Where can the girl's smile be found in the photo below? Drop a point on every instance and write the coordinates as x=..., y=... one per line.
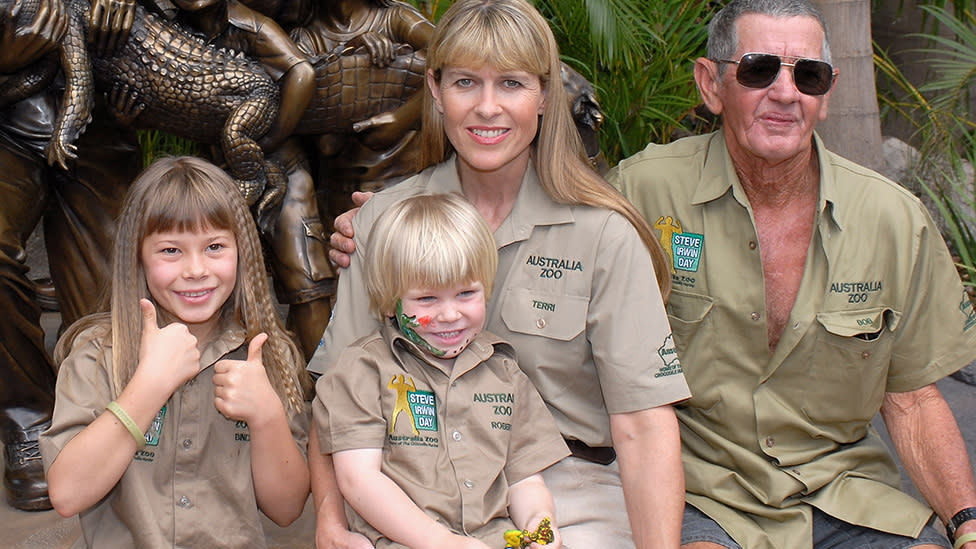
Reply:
x=191, y=274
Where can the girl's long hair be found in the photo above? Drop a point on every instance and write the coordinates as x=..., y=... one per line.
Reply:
x=190, y=194
x=510, y=35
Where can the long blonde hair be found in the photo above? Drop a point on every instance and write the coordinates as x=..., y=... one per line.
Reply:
x=187, y=194
x=511, y=35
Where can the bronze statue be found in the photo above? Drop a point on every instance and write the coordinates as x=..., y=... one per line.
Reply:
x=78, y=206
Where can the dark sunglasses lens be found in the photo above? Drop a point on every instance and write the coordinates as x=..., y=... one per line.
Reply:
x=813, y=77
x=757, y=70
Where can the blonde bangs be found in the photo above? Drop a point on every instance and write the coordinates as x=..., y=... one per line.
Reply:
x=501, y=37
x=188, y=201
x=435, y=241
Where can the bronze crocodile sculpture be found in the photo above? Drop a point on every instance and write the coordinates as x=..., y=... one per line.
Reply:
x=172, y=80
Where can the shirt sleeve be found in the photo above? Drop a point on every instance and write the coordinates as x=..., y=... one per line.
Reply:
x=628, y=327
x=82, y=392
x=935, y=335
x=351, y=318
x=536, y=442
x=347, y=409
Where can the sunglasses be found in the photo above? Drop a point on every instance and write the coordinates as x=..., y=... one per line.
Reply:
x=759, y=70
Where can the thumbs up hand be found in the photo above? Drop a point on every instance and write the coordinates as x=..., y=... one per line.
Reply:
x=167, y=356
x=242, y=390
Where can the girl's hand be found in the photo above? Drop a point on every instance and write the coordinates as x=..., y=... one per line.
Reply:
x=241, y=387
x=167, y=356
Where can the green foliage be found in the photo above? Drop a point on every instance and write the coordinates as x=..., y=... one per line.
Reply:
x=940, y=115
x=154, y=143
x=638, y=54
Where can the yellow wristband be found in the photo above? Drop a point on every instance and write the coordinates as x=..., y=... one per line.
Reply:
x=134, y=429
x=964, y=539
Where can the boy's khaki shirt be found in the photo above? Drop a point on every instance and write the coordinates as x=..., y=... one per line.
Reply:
x=453, y=439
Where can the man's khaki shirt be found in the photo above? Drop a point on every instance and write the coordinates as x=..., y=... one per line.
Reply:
x=575, y=294
x=191, y=485
x=880, y=308
x=453, y=438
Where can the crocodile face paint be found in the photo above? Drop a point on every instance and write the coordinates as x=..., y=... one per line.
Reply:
x=407, y=325
x=442, y=321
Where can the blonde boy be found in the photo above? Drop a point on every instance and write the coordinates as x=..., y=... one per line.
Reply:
x=437, y=437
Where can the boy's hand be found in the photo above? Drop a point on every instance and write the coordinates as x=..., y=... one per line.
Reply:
x=241, y=387
x=167, y=356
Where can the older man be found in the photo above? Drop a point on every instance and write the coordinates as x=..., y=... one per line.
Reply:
x=810, y=294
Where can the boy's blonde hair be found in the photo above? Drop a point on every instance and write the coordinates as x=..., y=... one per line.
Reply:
x=427, y=241
x=190, y=194
x=511, y=35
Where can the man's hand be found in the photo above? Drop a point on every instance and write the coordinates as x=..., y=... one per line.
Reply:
x=341, y=244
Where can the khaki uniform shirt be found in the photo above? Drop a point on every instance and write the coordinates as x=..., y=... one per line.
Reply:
x=454, y=439
x=191, y=485
x=880, y=309
x=575, y=293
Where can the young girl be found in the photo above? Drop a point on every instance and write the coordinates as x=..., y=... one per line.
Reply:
x=438, y=437
x=179, y=410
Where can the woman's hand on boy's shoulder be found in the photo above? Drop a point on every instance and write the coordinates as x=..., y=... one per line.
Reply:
x=168, y=356
x=242, y=390
x=341, y=244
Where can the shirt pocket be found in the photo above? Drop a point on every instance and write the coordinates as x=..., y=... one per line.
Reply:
x=553, y=316
x=850, y=366
x=686, y=313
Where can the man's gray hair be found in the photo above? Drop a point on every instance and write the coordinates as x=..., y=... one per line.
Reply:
x=722, y=38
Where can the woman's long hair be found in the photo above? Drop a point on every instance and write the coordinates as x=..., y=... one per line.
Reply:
x=511, y=35
x=189, y=194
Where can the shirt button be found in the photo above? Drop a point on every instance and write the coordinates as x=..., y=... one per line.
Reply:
x=755, y=316
x=185, y=502
x=752, y=245
x=770, y=442
x=866, y=354
x=456, y=435
x=187, y=444
x=540, y=323
x=468, y=484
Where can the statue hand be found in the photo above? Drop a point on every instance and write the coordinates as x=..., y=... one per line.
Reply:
x=380, y=47
x=24, y=40
x=110, y=23
x=124, y=104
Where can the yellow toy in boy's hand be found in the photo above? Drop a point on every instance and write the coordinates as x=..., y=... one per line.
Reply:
x=520, y=539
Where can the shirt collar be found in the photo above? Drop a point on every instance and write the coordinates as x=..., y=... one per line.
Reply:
x=533, y=206
x=718, y=176
x=478, y=351
x=229, y=342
